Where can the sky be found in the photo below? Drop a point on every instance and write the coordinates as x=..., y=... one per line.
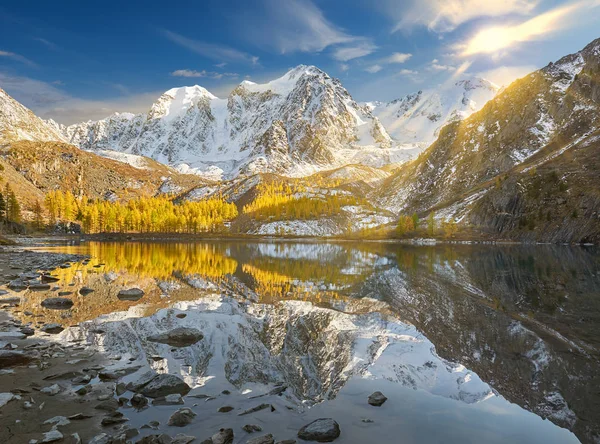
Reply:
x=74, y=61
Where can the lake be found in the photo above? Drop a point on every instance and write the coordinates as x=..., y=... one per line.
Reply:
x=470, y=343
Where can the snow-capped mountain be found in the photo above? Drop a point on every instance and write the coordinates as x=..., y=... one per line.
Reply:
x=19, y=123
x=417, y=118
x=301, y=122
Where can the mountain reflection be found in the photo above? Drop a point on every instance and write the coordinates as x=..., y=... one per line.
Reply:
x=525, y=319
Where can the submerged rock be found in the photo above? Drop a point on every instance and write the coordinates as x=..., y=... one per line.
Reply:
x=173, y=399
x=320, y=430
x=139, y=401
x=178, y=337
x=251, y=428
x=265, y=439
x=180, y=438
x=57, y=303
x=377, y=399
x=181, y=417
x=156, y=439
x=163, y=385
x=225, y=409
x=132, y=294
x=85, y=291
x=224, y=436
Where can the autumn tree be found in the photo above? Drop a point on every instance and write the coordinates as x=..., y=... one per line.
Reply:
x=450, y=227
x=38, y=215
x=431, y=225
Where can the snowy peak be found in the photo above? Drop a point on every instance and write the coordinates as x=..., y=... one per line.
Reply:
x=19, y=123
x=417, y=118
x=299, y=123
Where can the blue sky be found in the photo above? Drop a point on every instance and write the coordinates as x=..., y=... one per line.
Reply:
x=74, y=60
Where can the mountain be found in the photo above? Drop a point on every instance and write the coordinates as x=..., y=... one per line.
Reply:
x=417, y=118
x=19, y=123
x=297, y=124
x=525, y=166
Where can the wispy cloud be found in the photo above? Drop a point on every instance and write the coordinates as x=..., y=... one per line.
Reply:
x=447, y=15
x=47, y=43
x=343, y=54
x=300, y=26
x=407, y=72
x=495, y=39
x=203, y=73
x=397, y=57
x=344, y=67
x=49, y=101
x=210, y=50
x=374, y=69
x=18, y=58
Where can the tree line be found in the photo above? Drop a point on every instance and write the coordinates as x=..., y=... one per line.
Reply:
x=10, y=208
x=411, y=224
x=141, y=215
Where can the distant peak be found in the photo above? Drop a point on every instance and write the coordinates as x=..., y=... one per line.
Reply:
x=190, y=92
x=304, y=69
x=476, y=82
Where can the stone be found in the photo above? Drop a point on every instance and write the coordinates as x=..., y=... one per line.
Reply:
x=51, y=390
x=173, y=399
x=224, y=436
x=180, y=438
x=265, y=439
x=57, y=303
x=120, y=389
x=225, y=409
x=64, y=293
x=139, y=401
x=110, y=405
x=79, y=417
x=181, y=417
x=83, y=291
x=58, y=421
x=12, y=300
x=163, y=385
x=39, y=286
x=102, y=438
x=5, y=398
x=27, y=331
x=180, y=315
x=178, y=337
x=11, y=335
x=52, y=436
x=49, y=278
x=377, y=399
x=12, y=358
x=156, y=439
x=320, y=430
x=84, y=390
x=287, y=441
x=251, y=428
x=112, y=420
x=131, y=294
x=52, y=328
x=255, y=409
x=83, y=379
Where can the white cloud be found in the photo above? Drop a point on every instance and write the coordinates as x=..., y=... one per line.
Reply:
x=17, y=57
x=407, y=72
x=221, y=65
x=435, y=65
x=210, y=50
x=397, y=57
x=203, y=73
x=497, y=38
x=344, y=67
x=343, y=54
x=505, y=75
x=447, y=15
x=373, y=69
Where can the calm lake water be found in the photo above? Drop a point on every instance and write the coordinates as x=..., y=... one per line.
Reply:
x=469, y=343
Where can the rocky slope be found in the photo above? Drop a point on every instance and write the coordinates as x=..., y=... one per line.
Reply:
x=545, y=123
x=19, y=123
x=300, y=122
x=34, y=168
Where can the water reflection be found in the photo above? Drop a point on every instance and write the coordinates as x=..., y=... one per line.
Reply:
x=525, y=319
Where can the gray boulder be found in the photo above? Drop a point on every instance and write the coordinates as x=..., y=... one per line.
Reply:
x=163, y=385
x=265, y=439
x=377, y=399
x=181, y=417
x=320, y=430
x=132, y=294
x=57, y=303
x=224, y=436
x=178, y=337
